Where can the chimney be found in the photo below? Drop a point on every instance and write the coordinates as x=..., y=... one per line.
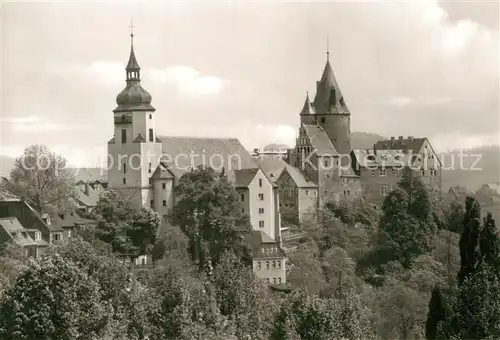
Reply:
x=375, y=149
x=256, y=151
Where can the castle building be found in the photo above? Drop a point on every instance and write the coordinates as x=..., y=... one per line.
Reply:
x=322, y=168
x=146, y=166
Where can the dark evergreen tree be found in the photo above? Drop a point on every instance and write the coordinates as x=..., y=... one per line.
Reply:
x=469, y=241
x=437, y=314
x=489, y=243
x=418, y=198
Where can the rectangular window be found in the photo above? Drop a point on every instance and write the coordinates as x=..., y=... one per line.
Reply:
x=260, y=182
x=267, y=264
x=279, y=280
x=279, y=264
x=326, y=162
x=261, y=210
x=259, y=265
x=70, y=233
x=124, y=180
x=261, y=224
x=124, y=168
x=243, y=197
x=150, y=181
x=124, y=136
x=38, y=236
x=152, y=203
x=149, y=170
x=422, y=171
x=383, y=172
x=164, y=186
x=56, y=237
x=373, y=172
x=164, y=203
x=151, y=135
x=150, y=116
x=383, y=190
x=307, y=192
x=274, y=264
x=261, y=196
x=274, y=280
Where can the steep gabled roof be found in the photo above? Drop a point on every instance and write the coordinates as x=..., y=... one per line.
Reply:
x=320, y=140
x=328, y=97
x=271, y=165
x=244, y=177
x=89, y=199
x=298, y=177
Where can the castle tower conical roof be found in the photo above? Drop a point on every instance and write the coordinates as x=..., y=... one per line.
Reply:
x=307, y=108
x=328, y=97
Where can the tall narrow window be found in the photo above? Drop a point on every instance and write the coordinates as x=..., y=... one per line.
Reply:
x=124, y=180
x=124, y=136
x=260, y=182
x=151, y=135
x=124, y=168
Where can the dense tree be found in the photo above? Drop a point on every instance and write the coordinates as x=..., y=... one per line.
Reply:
x=454, y=216
x=209, y=212
x=436, y=314
x=53, y=299
x=469, y=240
x=489, y=243
x=41, y=178
x=129, y=229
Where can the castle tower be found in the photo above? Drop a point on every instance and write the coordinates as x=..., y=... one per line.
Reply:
x=134, y=151
x=330, y=111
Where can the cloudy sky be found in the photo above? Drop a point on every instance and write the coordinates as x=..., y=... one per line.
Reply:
x=419, y=68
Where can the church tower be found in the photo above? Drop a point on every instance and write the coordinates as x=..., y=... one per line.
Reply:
x=134, y=151
x=329, y=110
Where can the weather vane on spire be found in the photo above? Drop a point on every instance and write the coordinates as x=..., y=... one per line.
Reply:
x=132, y=29
x=327, y=48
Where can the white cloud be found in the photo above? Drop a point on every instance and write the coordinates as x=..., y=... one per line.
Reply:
x=187, y=79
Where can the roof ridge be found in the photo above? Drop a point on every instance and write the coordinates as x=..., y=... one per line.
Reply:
x=198, y=137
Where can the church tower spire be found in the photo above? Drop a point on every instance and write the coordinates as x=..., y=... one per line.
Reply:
x=133, y=69
x=307, y=109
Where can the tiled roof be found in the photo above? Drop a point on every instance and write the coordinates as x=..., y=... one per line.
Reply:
x=389, y=158
x=244, y=177
x=323, y=102
x=262, y=245
x=271, y=165
x=68, y=220
x=6, y=196
x=218, y=153
x=414, y=144
x=90, y=174
x=300, y=180
x=16, y=231
x=320, y=140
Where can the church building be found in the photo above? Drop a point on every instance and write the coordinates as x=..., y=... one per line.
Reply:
x=146, y=166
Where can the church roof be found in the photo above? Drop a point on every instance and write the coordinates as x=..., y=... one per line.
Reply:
x=132, y=60
x=183, y=154
x=320, y=141
x=307, y=108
